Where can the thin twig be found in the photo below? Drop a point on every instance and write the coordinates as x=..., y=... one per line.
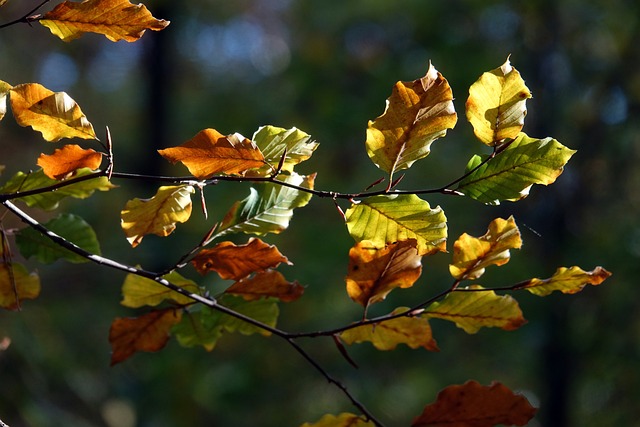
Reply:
x=28, y=17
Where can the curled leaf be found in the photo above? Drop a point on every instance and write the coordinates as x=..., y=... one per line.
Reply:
x=68, y=159
x=295, y=145
x=566, y=280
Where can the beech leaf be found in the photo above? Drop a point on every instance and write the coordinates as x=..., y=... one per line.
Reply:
x=374, y=272
x=274, y=142
x=149, y=332
x=199, y=328
x=139, y=291
x=343, y=420
x=158, y=215
x=496, y=106
x=265, y=284
x=54, y=114
x=417, y=113
x=4, y=90
x=566, y=280
x=115, y=19
x=474, y=307
x=68, y=159
x=471, y=255
x=17, y=282
x=209, y=153
x=391, y=218
x=474, y=405
x=509, y=176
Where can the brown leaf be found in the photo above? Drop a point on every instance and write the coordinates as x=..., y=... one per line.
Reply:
x=68, y=159
x=149, y=332
x=115, y=19
x=373, y=273
x=209, y=153
x=474, y=405
x=235, y=262
x=268, y=283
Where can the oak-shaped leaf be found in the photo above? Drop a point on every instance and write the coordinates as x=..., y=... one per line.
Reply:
x=413, y=331
x=391, y=218
x=509, y=176
x=235, y=262
x=49, y=200
x=16, y=281
x=149, y=332
x=4, y=91
x=474, y=405
x=209, y=153
x=496, y=106
x=342, y=420
x=115, y=19
x=471, y=255
x=474, y=307
x=157, y=215
x=71, y=227
x=566, y=280
x=374, y=272
x=417, y=113
x=68, y=159
x=267, y=284
x=139, y=291
x=274, y=142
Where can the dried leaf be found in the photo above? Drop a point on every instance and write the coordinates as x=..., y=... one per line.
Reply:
x=264, y=284
x=566, y=280
x=68, y=159
x=343, y=420
x=17, y=281
x=139, y=291
x=115, y=19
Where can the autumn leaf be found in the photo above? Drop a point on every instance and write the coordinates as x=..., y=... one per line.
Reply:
x=343, y=420
x=209, y=153
x=149, y=332
x=474, y=405
x=54, y=114
x=15, y=280
x=471, y=255
x=417, y=113
x=374, y=272
x=235, y=262
x=274, y=142
x=158, y=215
x=115, y=19
x=566, y=280
x=139, y=291
x=473, y=307
x=266, y=284
x=68, y=159
x=392, y=218
x=413, y=331
x=4, y=90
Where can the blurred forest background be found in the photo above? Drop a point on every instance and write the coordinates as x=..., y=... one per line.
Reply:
x=327, y=67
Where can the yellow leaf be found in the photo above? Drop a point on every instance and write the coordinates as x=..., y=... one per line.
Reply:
x=210, y=152
x=471, y=255
x=157, y=215
x=18, y=283
x=566, y=280
x=4, y=90
x=68, y=159
x=343, y=420
x=139, y=291
x=55, y=114
x=115, y=19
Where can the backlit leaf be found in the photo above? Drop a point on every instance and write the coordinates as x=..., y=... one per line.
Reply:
x=417, y=113
x=235, y=262
x=157, y=215
x=19, y=281
x=149, y=332
x=496, y=106
x=199, y=328
x=267, y=209
x=73, y=228
x=274, y=142
x=509, y=176
x=566, y=280
x=22, y=182
x=4, y=90
x=412, y=331
x=343, y=420
x=392, y=218
x=209, y=153
x=138, y=291
x=115, y=19
x=471, y=255
x=68, y=159
x=476, y=308
x=265, y=284
x=474, y=405
x=374, y=272
x=54, y=114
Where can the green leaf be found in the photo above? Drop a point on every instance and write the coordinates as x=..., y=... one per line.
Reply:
x=198, y=328
x=4, y=90
x=22, y=182
x=566, y=280
x=267, y=209
x=510, y=175
x=393, y=218
x=71, y=227
x=138, y=291
x=274, y=142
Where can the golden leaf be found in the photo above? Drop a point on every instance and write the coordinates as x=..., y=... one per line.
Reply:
x=68, y=159
x=566, y=280
x=17, y=283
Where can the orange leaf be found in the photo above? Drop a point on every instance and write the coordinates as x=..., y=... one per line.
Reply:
x=373, y=273
x=268, y=283
x=68, y=159
x=474, y=405
x=210, y=152
x=235, y=262
x=115, y=19
x=149, y=332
